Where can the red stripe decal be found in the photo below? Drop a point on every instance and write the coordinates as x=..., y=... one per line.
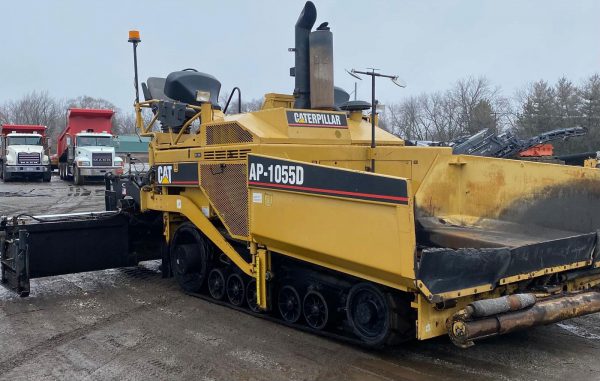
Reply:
x=340, y=192
x=184, y=182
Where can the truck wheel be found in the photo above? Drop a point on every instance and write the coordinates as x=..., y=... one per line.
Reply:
x=46, y=177
x=5, y=175
x=77, y=178
x=67, y=176
x=60, y=171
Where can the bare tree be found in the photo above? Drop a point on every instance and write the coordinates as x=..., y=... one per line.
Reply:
x=469, y=95
x=86, y=101
x=3, y=115
x=124, y=123
x=36, y=108
x=471, y=105
x=406, y=119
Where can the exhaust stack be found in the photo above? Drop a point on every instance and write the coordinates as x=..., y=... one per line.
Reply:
x=301, y=71
x=321, y=68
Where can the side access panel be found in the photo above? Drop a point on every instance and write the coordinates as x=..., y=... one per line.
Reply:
x=356, y=222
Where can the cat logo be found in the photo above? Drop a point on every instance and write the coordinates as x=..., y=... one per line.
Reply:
x=164, y=174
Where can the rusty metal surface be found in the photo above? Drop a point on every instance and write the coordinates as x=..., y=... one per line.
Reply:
x=490, y=307
x=552, y=310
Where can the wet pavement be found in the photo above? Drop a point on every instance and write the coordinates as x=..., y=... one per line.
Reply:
x=55, y=197
x=132, y=324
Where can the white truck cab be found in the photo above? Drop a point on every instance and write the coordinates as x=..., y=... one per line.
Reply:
x=23, y=154
x=93, y=155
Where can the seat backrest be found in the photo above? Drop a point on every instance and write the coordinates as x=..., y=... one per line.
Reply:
x=154, y=88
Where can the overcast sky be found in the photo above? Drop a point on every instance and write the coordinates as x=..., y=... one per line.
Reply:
x=72, y=48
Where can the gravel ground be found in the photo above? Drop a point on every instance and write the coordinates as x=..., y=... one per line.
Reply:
x=132, y=324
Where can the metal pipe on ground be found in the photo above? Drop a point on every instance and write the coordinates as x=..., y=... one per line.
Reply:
x=463, y=332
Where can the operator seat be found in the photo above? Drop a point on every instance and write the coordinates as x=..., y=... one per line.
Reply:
x=155, y=89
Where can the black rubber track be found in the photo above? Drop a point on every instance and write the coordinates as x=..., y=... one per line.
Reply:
x=323, y=333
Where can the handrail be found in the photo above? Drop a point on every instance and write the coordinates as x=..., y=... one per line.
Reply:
x=146, y=129
x=239, y=100
x=186, y=125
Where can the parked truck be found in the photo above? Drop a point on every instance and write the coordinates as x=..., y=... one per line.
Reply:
x=85, y=148
x=23, y=152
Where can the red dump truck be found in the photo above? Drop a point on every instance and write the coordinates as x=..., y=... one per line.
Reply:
x=23, y=152
x=85, y=149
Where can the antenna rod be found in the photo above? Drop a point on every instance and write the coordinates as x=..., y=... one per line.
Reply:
x=373, y=113
x=134, y=38
x=373, y=74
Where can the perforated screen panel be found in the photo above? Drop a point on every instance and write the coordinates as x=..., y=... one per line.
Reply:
x=228, y=133
x=226, y=187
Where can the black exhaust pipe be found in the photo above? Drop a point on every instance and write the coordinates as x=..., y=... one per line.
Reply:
x=302, y=58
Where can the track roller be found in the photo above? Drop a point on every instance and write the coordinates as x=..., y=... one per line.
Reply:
x=316, y=310
x=216, y=284
x=290, y=304
x=235, y=289
x=251, y=295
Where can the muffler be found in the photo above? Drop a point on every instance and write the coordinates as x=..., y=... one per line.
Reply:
x=498, y=316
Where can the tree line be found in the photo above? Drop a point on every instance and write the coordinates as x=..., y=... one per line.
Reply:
x=469, y=106
x=474, y=104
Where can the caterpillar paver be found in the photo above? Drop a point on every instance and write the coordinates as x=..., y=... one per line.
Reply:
x=277, y=212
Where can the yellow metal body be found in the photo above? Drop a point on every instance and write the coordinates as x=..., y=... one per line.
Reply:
x=591, y=163
x=372, y=240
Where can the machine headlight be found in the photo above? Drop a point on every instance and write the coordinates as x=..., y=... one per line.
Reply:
x=83, y=163
x=118, y=162
x=202, y=96
x=11, y=160
x=45, y=160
